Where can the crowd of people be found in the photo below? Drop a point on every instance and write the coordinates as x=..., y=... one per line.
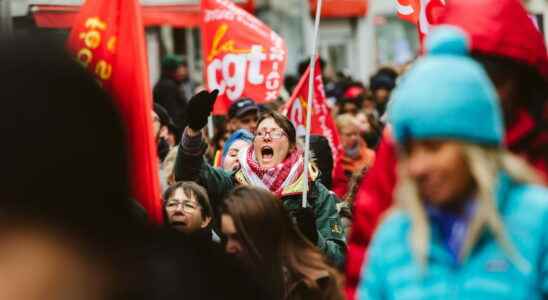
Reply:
x=440, y=190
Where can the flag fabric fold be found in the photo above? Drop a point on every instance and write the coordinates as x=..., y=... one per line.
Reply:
x=108, y=39
x=322, y=120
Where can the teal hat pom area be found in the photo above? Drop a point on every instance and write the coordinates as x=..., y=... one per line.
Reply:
x=446, y=95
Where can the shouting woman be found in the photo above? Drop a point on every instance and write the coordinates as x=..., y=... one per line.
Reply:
x=274, y=162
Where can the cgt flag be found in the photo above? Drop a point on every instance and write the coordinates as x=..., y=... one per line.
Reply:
x=322, y=120
x=108, y=40
x=423, y=13
x=242, y=56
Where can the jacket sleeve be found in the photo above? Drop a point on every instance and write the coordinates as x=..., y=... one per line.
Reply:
x=191, y=166
x=331, y=238
x=373, y=198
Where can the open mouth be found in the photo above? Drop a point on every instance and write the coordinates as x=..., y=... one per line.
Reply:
x=178, y=224
x=267, y=152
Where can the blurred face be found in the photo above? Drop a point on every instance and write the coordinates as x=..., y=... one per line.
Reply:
x=185, y=213
x=234, y=244
x=350, y=108
x=382, y=95
x=230, y=162
x=270, y=143
x=350, y=136
x=182, y=73
x=247, y=121
x=156, y=125
x=440, y=171
x=29, y=267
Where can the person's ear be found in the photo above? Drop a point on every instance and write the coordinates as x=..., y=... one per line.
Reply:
x=205, y=222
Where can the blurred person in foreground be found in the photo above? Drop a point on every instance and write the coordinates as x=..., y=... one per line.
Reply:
x=511, y=49
x=464, y=204
x=274, y=162
x=64, y=199
x=261, y=234
x=68, y=228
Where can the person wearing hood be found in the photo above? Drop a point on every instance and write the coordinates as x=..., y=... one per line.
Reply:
x=237, y=141
x=274, y=162
x=470, y=220
x=505, y=41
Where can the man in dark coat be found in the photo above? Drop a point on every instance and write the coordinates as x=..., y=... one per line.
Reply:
x=168, y=92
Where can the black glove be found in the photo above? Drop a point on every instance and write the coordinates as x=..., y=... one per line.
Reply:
x=199, y=108
x=305, y=219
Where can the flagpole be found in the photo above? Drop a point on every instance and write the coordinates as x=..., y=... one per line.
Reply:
x=309, y=106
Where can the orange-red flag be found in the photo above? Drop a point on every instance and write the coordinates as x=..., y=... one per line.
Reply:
x=322, y=122
x=108, y=39
x=242, y=56
x=423, y=13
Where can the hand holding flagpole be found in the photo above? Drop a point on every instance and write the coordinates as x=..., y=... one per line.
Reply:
x=310, y=101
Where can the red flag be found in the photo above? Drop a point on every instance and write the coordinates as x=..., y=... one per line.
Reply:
x=108, y=39
x=423, y=13
x=242, y=56
x=322, y=121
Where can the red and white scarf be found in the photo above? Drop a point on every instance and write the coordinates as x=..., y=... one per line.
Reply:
x=274, y=179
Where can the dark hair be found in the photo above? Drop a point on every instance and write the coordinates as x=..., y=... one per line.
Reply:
x=274, y=243
x=530, y=88
x=284, y=124
x=191, y=189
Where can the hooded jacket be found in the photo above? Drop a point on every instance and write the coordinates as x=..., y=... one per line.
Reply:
x=392, y=272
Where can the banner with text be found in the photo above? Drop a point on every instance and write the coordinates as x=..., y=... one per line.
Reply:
x=242, y=56
x=423, y=13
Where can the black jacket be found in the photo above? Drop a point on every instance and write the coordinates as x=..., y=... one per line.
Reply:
x=168, y=93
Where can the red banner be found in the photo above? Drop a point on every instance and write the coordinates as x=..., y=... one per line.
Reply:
x=322, y=120
x=423, y=13
x=110, y=44
x=242, y=56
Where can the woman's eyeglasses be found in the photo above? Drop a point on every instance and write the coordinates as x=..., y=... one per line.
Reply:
x=188, y=206
x=274, y=134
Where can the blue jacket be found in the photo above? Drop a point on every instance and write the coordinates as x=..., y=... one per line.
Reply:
x=391, y=272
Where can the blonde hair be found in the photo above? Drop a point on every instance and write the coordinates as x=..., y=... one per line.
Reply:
x=484, y=164
x=346, y=120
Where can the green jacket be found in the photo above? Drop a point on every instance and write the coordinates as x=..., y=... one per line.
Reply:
x=331, y=239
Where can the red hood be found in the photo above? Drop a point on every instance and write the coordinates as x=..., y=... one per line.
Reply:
x=499, y=27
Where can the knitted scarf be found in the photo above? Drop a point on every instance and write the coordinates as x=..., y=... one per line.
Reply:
x=277, y=178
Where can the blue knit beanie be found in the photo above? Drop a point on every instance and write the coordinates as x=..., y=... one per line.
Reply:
x=446, y=95
x=241, y=134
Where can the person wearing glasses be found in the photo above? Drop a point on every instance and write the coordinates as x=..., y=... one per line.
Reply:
x=273, y=161
x=187, y=209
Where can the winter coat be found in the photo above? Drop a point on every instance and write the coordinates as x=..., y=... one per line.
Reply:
x=167, y=93
x=191, y=167
x=392, y=272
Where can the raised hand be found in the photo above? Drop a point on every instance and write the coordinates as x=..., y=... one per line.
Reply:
x=199, y=108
